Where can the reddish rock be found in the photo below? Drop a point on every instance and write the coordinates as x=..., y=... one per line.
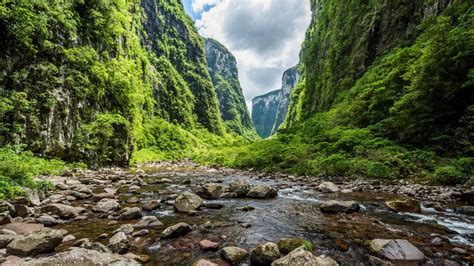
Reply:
x=208, y=245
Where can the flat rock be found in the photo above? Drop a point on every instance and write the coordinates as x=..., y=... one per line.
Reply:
x=148, y=222
x=61, y=210
x=397, y=250
x=337, y=206
x=208, y=245
x=23, y=228
x=37, y=242
x=176, y=230
x=203, y=262
x=404, y=205
x=106, y=205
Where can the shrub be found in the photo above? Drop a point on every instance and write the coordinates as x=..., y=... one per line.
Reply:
x=448, y=175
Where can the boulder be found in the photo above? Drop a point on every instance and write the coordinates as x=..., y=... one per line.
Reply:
x=203, y=262
x=142, y=232
x=61, y=210
x=262, y=192
x=130, y=213
x=118, y=243
x=126, y=228
x=328, y=187
x=5, y=218
x=302, y=257
x=337, y=206
x=234, y=255
x=148, y=222
x=211, y=191
x=187, y=202
x=150, y=205
x=6, y=239
x=468, y=196
x=37, y=242
x=81, y=256
x=176, y=230
x=23, y=211
x=240, y=187
x=404, y=205
x=106, y=205
x=47, y=220
x=286, y=245
x=265, y=254
x=399, y=251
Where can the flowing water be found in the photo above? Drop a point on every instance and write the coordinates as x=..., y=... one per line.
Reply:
x=293, y=213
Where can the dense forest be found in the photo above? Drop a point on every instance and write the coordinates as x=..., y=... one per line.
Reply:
x=383, y=92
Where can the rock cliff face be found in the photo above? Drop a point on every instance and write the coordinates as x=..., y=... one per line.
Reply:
x=269, y=110
x=223, y=69
x=87, y=79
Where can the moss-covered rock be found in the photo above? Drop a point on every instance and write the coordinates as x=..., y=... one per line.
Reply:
x=404, y=205
x=286, y=245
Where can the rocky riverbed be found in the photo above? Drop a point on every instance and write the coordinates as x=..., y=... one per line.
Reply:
x=185, y=214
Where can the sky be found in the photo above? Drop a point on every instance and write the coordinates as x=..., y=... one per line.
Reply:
x=265, y=36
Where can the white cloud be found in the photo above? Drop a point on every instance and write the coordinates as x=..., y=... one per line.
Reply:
x=264, y=35
x=199, y=5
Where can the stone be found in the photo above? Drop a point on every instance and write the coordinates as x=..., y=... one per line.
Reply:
x=302, y=257
x=37, y=242
x=212, y=205
x=82, y=256
x=208, y=245
x=337, y=206
x=211, y=191
x=466, y=210
x=32, y=197
x=61, y=210
x=133, y=200
x=404, y=205
x=262, y=192
x=468, y=196
x=118, y=243
x=130, y=213
x=23, y=228
x=148, y=222
x=23, y=211
x=458, y=250
x=246, y=208
x=85, y=243
x=437, y=241
x=139, y=258
x=69, y=238
x=47, y=220
x=397, y=250
x=286, y=245
x=6, y=239
x=5, y=218
x=240, y=187
x=234, y=255
x=106, y=205
x=126, y=228
x=150, y=205
x=176, y=230
x=187, y=202
x=328, y=187
x=104, y=195
x=203, y=262
x=142, y=232
x=265, y=254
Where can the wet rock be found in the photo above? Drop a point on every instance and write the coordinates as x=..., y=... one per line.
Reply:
x=203, y=262
x=468, y=196
x=328, y=187
x=187, y=202
x=397, y=250
x=85, y=243
x=404, y=205
x=240, y=187
x=148, y=222
x=301, y=256
x=23, y=228
x=286, y=245
x=337, y=206
x=142, y=232
x=22, y=211
x=62, y=210
x=47, y=220
x=6, y=239
x=118, y=243
x=234, y=255
x=210, y=191
x=228, y=195
x=81, y=256
x=212, y=205
x=262, y=192
x=106, y=205
x=208, y=245
x=150, y=205
x=130, y=213
x=176, y=230
x=265, y=254
x=5, y=218
x=466, y=210
x=37, y=242
x=246, y=208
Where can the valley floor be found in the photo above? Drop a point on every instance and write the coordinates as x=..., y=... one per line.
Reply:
x=182, y=213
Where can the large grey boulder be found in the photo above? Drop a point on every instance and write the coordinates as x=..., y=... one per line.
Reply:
x=106, y=205
x=337, y=206
x=211, y=191
x=328, y=187
x=187, y=202
x=176, y=230
x=6, y=239
x=130, y=213
x=262, y=192
x=397, y=250
x=118, y=243
x=302, y=257
x=240, y=187
x=234, y=255
x=37, y=242
x=62, y=210
x=81, y=256
x=265, y=254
